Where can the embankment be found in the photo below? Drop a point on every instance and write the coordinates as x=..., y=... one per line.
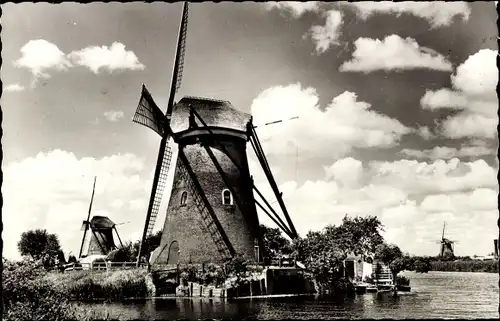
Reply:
x=490, y=266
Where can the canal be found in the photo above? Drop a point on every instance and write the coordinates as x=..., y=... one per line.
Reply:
x=434, y=295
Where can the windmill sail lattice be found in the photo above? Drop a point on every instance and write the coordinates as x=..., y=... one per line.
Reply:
x=162, y=182
x=182, y=48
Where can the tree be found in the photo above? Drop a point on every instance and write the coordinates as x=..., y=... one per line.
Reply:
x=274, y=242
x=358, y=235
x=40, y=245
x=130, y=249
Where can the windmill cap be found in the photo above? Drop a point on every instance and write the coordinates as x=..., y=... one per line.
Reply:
x=215, y=113
x=101, y=222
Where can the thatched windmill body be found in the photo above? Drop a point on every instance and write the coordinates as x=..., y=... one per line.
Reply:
x=98, y=240
x=211, y=215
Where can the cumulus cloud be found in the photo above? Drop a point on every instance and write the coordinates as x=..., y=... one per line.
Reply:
x=474, y=94
x=345, y=123
x=13, y=88
x=326, y=36
x=409, y=197
x=437, y=13
x=296, y=8
x=426, y=133
x=111, y=58
x=393, y=53
x=444, y=152
x=41, y=56
x=113, y=115
x=52, y=191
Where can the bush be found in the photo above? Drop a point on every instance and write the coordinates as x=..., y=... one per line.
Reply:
x=27, y=295
x=403, y=280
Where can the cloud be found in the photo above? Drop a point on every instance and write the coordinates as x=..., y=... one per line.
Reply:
x=393, y=53
x=473, y=94
x=52, y=191
x=40, y=56
x=13, y=88
x=327, y=35
x=444, y=152
x=296, y=8
x=345, y=123
x=110, y=58
x=426, y=133
x=437, y=13
x=407, y=196
x=113, y=115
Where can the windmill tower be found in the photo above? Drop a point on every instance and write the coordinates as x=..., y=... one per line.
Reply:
x=447, y=246
x=100, y=241
x=211, y=215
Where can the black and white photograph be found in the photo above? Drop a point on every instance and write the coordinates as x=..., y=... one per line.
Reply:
x=250, y=160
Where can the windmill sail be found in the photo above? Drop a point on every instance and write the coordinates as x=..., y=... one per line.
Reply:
x=149, y=114
x=160, y=123
x=86, y=223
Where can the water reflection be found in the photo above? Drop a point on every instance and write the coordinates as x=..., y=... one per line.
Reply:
x=434, y=295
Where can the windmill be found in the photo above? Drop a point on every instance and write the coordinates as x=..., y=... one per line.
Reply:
x=100, y=242
x=211, y=214
x=447, y=249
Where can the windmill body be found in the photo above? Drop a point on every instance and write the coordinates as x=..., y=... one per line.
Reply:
x=190, y=234
x=211, y=216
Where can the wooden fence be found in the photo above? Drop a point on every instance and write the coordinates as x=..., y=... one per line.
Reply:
x=102, y=266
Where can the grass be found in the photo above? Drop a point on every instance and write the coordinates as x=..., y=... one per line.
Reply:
x=109, y=286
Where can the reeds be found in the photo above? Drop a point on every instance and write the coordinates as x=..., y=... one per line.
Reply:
x=490, y=266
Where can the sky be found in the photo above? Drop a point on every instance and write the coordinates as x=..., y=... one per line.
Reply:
x=396, y=103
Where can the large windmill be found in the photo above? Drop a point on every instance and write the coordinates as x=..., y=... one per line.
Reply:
x=447, y=249
x=211, y=215
x=100, y=241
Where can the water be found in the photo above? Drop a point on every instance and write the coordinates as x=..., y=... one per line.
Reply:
x=434, y=295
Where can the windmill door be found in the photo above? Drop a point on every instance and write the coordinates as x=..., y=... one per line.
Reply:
x=173, y=253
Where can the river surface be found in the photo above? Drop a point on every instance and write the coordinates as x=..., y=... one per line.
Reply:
x=433, y=295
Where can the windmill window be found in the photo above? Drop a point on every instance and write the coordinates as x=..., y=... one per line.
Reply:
x=227, y=198
x=183, y=198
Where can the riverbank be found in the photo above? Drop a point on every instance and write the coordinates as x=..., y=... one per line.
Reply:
x=490, y=266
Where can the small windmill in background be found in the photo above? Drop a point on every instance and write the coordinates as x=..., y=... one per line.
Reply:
x=447, y=249
x=100, y=241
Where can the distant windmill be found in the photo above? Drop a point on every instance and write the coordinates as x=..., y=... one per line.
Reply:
x=447, y=249
x=100, y=241
x=211, y=215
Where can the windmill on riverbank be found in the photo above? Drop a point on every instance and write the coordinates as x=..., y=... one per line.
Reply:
x=447, y=249
x=211, y=215
x=100, y=241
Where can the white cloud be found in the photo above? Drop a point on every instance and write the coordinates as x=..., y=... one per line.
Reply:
x=444, y=152
x=393, y=53
x=443, y=98
x=295, y=7
x=110, y=58
x=40, y=56
x=113, y=115
x=426, y=133
x=469, y=124
x=13, y=88
x=409, y=197
x=52, y=191
x=327, y=35
x=345, y=123
x=437, y=13
x=474, y=94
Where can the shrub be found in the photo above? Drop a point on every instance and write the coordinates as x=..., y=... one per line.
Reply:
x=27, y=295
x=403, y=280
